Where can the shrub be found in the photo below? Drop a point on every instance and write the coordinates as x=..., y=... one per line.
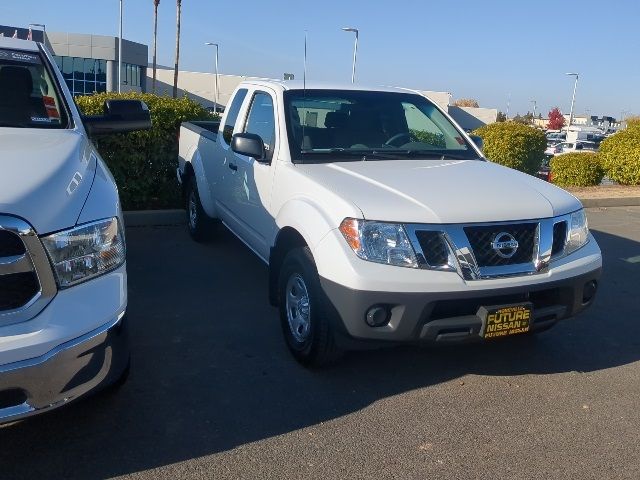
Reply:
x=513, y=145
x=578, y=169
x=633, y=122
x=435, y=139
x=144, y=163
x=620, y=154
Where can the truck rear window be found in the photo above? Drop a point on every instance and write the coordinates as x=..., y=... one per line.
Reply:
x=28, y=94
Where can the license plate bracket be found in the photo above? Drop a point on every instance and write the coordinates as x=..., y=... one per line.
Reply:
x=505, y=320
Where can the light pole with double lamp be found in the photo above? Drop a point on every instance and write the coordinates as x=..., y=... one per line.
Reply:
x=215, y=101
x=355, y=52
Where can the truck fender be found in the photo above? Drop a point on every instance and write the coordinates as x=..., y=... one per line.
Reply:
x=299, y=222
x=195, y=160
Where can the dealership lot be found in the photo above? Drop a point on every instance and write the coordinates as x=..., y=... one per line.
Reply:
x=214, y=393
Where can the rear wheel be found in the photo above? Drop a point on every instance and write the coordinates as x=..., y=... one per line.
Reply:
x=306, y=326
x=198, y=223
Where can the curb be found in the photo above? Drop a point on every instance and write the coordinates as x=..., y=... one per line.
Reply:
x=610, y=202
x=157, y=218
x=153, y=218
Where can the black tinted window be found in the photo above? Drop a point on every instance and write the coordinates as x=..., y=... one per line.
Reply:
x=261, y=120
x=232, y=115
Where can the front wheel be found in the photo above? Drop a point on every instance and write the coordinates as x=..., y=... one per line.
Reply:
x=306, y=326
x=198, y=223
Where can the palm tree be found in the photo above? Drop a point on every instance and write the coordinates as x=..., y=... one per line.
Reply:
x=155, y=40
x=175, y=68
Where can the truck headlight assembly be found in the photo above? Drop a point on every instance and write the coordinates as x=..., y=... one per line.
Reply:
x=379, y=242
x=578, y=232
x=86, y=251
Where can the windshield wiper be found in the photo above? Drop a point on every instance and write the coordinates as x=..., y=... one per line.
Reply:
x=14, y=125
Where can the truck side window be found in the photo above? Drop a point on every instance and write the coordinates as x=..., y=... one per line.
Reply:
x=261, y=120
x=232, y=116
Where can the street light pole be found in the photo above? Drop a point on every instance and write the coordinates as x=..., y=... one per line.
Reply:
x=215, y=101
x=120, y=52
x=355, y=52
x=535, y=105
x=573, y=98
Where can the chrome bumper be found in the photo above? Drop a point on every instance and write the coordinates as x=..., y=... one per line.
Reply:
x=65, y=373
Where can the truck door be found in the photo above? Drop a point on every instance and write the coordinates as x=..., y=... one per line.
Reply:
x=250, y=189
x=219, y=175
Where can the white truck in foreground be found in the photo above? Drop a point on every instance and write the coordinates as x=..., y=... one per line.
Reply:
x=63, y=280
x=381, y=221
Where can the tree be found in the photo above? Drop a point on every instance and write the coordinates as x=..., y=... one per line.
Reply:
x=155, y=40
x=466, y=102
x=556, y=120
x=501, y=117
x=175, y=67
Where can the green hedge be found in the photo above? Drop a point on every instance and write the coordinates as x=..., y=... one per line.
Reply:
x=144, y=163
x=513, y=145
x=620, y=154
x=578, y=169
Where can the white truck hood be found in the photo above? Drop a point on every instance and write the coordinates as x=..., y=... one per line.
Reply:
x=436, y=191
x=45, y=176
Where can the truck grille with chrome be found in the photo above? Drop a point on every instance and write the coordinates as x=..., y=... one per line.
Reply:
x=26, y=280
x=490, y=250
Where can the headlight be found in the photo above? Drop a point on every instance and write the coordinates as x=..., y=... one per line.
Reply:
x=578, y=231
x=379, y=242
x=85, y=252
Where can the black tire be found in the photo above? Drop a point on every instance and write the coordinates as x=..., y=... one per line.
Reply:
x=198, y=223
x=314, y=345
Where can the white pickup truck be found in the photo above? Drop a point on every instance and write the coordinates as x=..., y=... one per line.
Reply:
x=381, y=221
x=63, y=280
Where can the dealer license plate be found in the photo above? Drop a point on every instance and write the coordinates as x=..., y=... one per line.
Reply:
x=505, y=320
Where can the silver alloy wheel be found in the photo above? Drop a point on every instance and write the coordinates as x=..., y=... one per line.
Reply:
x=298, y=308
x=193, y=210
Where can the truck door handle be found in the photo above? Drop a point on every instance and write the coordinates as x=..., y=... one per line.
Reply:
x=233, y=167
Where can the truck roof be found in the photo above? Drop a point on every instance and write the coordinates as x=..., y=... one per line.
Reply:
x=298, y=85
x=18, y=44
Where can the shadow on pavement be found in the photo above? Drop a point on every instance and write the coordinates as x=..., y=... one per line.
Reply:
x=211, y=371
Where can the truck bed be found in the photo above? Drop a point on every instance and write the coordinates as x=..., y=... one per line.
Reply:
x=206, y=128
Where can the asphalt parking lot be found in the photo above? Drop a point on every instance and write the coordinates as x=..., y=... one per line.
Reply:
x=214, y=393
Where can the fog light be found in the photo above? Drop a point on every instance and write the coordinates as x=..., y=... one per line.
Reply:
x=589, y=291
x=377, y=316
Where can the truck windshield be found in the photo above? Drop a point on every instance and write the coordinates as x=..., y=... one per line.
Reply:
x=28, y=97
x=342, y=125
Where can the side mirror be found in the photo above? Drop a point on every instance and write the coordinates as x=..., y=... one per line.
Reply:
x=249, y=144
x=478, y=141
x=119, y=116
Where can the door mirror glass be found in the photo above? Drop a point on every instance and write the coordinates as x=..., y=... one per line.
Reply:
x=249, y=144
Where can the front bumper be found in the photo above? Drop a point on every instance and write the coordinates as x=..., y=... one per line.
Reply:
x=449, y=317
x=67, y=372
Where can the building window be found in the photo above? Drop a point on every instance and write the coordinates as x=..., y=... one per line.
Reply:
x=131, y=75
x=83, y=76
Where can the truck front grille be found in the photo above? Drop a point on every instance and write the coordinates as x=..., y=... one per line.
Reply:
x=559, y=237
x=27, y=284
x=481, y=239
x=18, y=281
x=433, y=247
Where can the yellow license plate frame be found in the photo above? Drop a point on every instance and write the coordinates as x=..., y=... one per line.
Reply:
x=505, y=320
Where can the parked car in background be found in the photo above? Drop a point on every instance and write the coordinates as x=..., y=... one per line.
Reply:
x=382, y=222
x=63, y=278
x=579, y=146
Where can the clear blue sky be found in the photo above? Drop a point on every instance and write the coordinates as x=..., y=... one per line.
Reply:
x=481, y=49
